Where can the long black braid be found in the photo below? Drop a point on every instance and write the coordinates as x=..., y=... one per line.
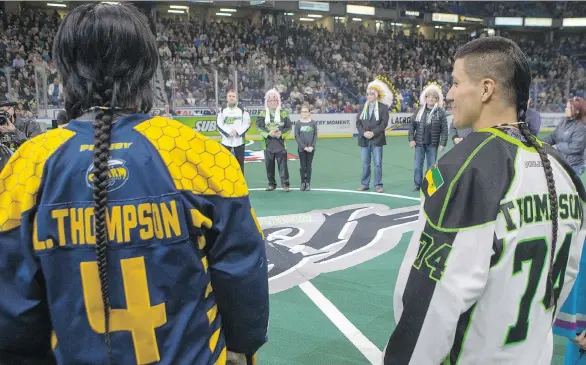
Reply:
x=102, y=129
x=524, y=129
x=105, y=94
x=107, y=57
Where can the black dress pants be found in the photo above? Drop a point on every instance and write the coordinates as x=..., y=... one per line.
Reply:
x=281, y=158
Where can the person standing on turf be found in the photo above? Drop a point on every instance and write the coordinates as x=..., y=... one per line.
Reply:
x=306, y=137
x=500, y=234
x=569, y=136
x=371, y=125
x=274, y=126
x=458, y=135
x=428, y=131
x=533, y=119
x=233, y=122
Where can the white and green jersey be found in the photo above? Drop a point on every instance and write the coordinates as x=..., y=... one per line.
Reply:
x=233, y=118
x=472, y=286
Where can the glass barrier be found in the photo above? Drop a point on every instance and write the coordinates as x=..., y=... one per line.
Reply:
x=180, y=83
x=35, y=89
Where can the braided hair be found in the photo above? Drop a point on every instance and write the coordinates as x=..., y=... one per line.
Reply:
x=553, y=202
x=521, y=82
x=107, y=56
x=502, y=60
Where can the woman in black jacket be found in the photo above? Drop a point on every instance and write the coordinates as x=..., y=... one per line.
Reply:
x=569, y=137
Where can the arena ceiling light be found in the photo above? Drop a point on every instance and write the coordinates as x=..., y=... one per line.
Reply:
x=182, y=7
x=458, y=28
x=290, y=14
x=226, y=10
x=223, y=14
x=173, y=11
x=57, y=5
x=357, y=19
x=314, y=15
x=306, y=19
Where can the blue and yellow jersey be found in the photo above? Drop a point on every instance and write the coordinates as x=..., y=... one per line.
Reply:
x=187, y=266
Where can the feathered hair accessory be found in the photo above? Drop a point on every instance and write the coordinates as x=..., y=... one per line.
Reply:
x=385, y=95
x=432, y=86
x=273, y=94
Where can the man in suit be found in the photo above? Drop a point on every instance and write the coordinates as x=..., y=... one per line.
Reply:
x=371, y=125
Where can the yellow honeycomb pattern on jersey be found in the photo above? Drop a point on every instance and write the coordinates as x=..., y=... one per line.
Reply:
x=196, y=163
x=20, y=179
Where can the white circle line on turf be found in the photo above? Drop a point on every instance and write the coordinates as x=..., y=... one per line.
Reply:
x=372, y=353
x=353, y=192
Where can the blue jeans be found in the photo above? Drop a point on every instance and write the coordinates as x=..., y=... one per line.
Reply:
x=376, y=153
x=579, y=169
x=423, y=152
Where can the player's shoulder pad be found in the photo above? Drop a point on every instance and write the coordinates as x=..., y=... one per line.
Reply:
x=284, y=114
x=464, y=188
x=569, y=170
x=25, y=171
x=195, y=162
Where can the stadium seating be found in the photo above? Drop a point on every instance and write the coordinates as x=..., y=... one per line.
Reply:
x=306, y=64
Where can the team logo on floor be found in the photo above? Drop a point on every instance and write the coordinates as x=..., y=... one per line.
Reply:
x=259, y=156
x=302, y=246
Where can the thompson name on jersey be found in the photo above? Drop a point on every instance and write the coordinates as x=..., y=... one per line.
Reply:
x=472, y=287
x=187, y=264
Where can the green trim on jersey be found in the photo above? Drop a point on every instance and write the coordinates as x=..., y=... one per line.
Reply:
x=457, y=177
x=510, y=139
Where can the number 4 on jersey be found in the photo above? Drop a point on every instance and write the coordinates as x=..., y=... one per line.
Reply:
x=139, y=318
x=435, y=256
x=535, y=252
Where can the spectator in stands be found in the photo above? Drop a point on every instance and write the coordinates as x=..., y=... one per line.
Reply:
x=569, y=137
x=55, y=91
x=371, y=125
x=533, y=119
x=273, y=124
x=14, y=129
x=18, y=62
x=428, y=131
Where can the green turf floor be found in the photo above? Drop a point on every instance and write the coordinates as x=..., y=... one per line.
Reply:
x=299, y=333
